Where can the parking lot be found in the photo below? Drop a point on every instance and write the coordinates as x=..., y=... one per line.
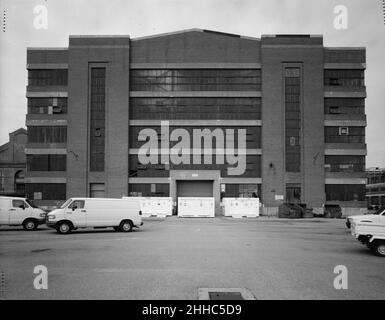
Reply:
x=172, y=258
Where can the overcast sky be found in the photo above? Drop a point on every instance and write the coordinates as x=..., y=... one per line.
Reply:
x=146, y=17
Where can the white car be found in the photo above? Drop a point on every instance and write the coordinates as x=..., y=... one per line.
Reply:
x=370, y=230
x=121, y=214
x=15, y=211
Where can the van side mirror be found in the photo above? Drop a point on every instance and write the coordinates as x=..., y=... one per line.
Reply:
x=74, y=207
x=22, y=206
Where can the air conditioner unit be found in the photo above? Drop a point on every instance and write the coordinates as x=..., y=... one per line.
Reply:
x=57, y=109
x=343, y=131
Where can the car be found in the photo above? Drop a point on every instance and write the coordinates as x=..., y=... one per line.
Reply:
x=350, y=219
x=370, y=230
x=17, y=211
x=75, y=213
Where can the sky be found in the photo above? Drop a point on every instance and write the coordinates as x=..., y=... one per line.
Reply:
x=137, y=18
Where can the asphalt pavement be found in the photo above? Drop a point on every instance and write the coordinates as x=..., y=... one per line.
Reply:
x=172, y=258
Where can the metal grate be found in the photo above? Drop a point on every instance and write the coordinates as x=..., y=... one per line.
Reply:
x=225, y=296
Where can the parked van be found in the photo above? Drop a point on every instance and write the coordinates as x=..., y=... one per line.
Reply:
x=15, y=211
x=121, y=214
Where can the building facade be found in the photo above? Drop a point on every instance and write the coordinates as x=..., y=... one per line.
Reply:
x=13, y=164
x=375, y=188
x=298, y=106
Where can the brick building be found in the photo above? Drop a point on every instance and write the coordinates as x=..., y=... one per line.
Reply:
x=301, y=104
x=13, y=164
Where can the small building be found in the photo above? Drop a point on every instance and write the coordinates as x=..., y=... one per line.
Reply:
x=375, y=188
x=13, y=164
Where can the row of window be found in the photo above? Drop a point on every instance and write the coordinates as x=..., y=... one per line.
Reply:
x=345, y=163
x=195, y=108
x=45, y=191
x=376, y=177
x=195, y=80
x=47, y=77
x=334, y=192
x=137, y=169
x=344, y=134
x=344, y=106
x=376, y=189
x=345, y=192
x=46, y=162
x=47, y=134
x=58, y=134
x=47, y=105
x=253, y=135
x=345, y=78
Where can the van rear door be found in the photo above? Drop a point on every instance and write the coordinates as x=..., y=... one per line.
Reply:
x=4, y=210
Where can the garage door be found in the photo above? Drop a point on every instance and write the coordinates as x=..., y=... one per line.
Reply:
x=195, y=188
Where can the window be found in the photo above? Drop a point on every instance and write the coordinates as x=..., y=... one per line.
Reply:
x=1, y=181
x=46, y=191
x=46, y=162
x=345, y=192
x=97, y=128
x=47, y=105
x=293, y=193
x=76, y=204
x=195, y=108
x=47, y=77
x=344, y=106
x=195, y=80
x=97, y=190
x=345, y=78
x=47, y=134
x=147, y=190
x=242, y=191
x=18, y=204
x=292, y=119
x=20, y=183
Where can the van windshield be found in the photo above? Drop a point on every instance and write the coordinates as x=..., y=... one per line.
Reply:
x=379, y=211
x=30, y=203
x=65, y=204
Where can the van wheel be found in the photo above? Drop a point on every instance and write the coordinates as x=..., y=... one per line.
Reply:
x=64, y=227
x=30, y=225
x=378, y=247
x=125, y=226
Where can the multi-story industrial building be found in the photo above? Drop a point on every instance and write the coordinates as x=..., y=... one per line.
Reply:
x=375, y=188
x=92, y=105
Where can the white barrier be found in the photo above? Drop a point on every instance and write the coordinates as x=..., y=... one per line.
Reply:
x=196, y=207
x=240, y=207
x=155, y=206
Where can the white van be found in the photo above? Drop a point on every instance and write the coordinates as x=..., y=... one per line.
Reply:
x=121, y=214
x=15, y=211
